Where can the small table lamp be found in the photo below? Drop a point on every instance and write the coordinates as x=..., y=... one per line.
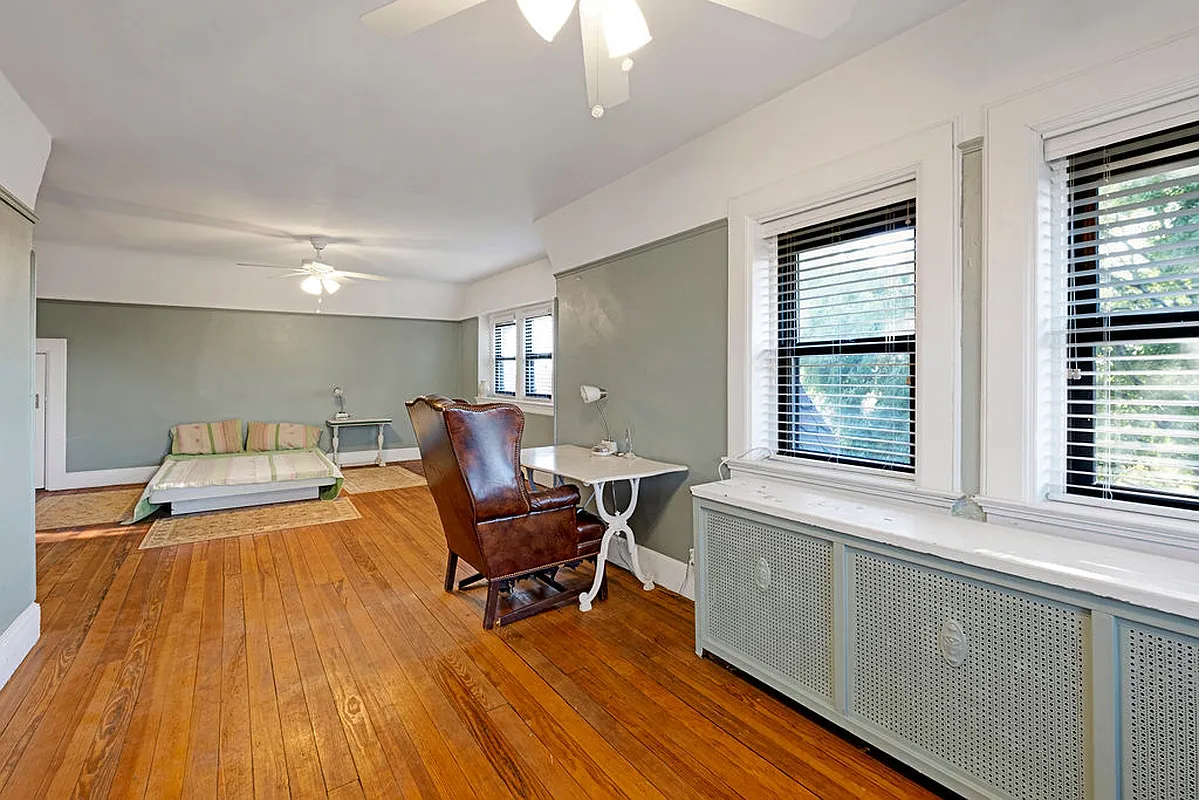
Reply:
x=340, y=397
x=595, y=394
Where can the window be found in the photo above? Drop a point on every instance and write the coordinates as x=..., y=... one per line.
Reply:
x=1128, y=312
x=523, y=354
x=846, y=339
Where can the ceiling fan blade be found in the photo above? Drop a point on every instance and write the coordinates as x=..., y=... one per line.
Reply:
x=299, y=273
x=607, y=82
x=362, y=276
x=815, y=18
x=264, y=266
x=403, y=17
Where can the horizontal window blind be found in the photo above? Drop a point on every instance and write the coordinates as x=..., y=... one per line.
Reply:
x=1129, y=310
x=846, y=338
x=505, y=358
x=539, y=356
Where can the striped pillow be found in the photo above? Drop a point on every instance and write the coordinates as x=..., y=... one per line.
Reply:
x=265, y=436
x=204, y=438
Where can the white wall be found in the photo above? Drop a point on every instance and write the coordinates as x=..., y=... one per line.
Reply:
x=24, y=146
x=73, y=272
x=531, y=283
x=949, y=69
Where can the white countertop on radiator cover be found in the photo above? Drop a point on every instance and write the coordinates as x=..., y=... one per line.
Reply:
x=1157, y=582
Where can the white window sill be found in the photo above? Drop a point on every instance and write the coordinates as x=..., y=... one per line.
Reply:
x=1120, y=525
x=543, y=408
x=843, y=478
x=1166, y=583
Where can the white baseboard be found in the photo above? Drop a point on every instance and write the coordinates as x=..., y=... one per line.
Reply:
x=18, y=640
x=667, y=572
x=359, y=458
x=90, y=479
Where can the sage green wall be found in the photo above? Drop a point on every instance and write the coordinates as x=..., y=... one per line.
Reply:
x=16, y=416
x=972, y=312
x=133, y=371
x=651, y=327
x=539, y=430
x=468, y=359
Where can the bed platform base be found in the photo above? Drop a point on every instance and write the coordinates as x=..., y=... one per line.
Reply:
x=243, y=500
x=216, y=498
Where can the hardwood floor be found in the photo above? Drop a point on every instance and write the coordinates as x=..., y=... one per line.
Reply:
x=328, y=661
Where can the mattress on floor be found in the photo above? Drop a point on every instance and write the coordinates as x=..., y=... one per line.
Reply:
x=269, y=469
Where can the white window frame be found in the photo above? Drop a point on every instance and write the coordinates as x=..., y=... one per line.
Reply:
x=930, y=158
x=1122, y=99
x=535, y=405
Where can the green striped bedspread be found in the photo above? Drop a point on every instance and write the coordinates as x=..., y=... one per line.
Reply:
x=238, y=469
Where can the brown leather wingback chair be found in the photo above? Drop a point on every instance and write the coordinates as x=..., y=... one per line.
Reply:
x=492, y=521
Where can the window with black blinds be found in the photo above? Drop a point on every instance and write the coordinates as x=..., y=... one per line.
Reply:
x=1131, y=312
x=539, y=356
x=505, y=358
x=846, y=300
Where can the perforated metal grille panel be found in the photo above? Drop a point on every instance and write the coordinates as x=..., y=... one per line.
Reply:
x=769, y=598
x=990, y=681
x=1160, y=710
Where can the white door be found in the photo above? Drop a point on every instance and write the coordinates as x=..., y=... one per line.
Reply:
x=39, y=423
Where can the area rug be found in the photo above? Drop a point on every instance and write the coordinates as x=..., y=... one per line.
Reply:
x=86, y=509
x=380, y=479
x=247, y=521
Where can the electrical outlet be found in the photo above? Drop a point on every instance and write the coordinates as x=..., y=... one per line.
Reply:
x=691, y=557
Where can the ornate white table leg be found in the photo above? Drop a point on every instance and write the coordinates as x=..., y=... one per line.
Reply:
x=379, y=461
x=336, y=444
x=618, y=523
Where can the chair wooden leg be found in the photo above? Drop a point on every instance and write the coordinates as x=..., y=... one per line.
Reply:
x=603, y=592
x=451, y=570
x=493, y=602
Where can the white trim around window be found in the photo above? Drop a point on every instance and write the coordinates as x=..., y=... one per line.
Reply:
x=1148, y=90
x=930, y=158
x=517, y=316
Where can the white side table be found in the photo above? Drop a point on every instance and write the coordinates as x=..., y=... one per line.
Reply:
x=579, y=464
x=335, y=426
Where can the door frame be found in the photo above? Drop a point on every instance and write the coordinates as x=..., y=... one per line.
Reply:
x=55, y=403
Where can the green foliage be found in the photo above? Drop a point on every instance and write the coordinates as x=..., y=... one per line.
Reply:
x=1147, y=391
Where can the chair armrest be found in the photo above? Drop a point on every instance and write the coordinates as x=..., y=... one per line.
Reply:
x=558, y=497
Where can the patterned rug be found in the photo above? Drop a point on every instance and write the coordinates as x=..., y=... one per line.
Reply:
x=380, y=479
x=85, y=510
x=247, y=521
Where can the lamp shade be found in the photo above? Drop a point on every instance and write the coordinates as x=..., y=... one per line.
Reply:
x=331, y=286
x=591, y=394
x=546, y=16
x=311, y=285
x=624, y=27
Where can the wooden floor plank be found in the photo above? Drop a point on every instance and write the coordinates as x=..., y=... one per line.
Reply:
x=329, y=662
x=299, y=742
x=200, y=775
x=268, y=758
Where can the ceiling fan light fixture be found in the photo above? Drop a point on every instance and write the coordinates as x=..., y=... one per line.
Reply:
x=625, y=30
x=331, y=286
x=311, y=285
x=546, y=16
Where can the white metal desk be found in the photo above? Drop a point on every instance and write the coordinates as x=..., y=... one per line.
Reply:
x=335, y=426
x=579, y=464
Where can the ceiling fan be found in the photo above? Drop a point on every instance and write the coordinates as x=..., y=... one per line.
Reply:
x=615, y=26
x=319, y=277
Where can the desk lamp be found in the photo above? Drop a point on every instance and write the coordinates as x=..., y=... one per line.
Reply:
x=597, y=395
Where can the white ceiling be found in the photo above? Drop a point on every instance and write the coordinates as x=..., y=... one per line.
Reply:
x=232, y=129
